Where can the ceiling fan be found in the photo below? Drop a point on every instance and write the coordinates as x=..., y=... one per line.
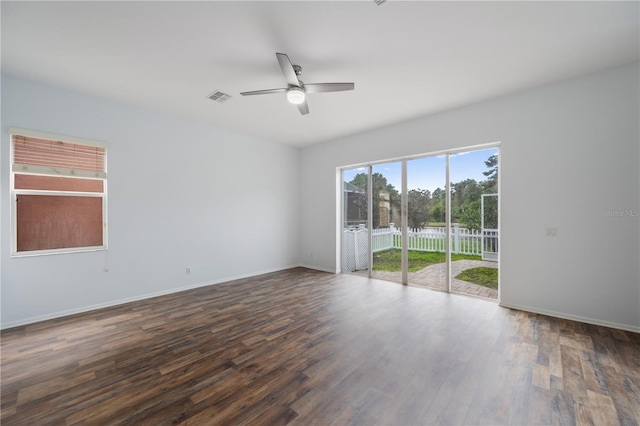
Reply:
x=297, y=90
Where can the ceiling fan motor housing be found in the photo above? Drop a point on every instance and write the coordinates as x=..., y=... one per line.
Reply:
x=296, y=95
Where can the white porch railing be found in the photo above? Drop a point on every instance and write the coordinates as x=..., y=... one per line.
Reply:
x=463, y=241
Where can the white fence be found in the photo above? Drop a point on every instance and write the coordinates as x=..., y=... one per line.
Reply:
x=490, y=244
x=463, y=241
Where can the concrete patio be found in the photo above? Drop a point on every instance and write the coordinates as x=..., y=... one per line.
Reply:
x=433, y=277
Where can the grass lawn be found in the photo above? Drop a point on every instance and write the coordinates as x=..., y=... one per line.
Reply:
x=486, y=277
x=389, y=260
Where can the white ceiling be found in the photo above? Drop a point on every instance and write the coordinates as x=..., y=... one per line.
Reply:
x=407, y=59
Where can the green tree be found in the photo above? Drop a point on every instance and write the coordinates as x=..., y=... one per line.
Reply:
x=437, y=208
x=380, y=192
x=463, y=192
x=469, y=214
x=438, y=195
x=425, y=207
x=490, y=186
x=491, y=212
x=418, y=209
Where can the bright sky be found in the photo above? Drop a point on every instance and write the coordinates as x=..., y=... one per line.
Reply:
x=429, y=172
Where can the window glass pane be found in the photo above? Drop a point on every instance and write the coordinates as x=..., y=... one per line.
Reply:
x=52, y=183
x=47, y=222
x=426, y=201
x=474, y=221
x=355, y=233
x=386, y=237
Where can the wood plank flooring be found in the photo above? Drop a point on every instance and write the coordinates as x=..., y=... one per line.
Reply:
x=310, y=348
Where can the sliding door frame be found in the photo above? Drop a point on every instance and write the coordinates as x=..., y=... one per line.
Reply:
x=447, y=221
x=404, y=214
x=370, y=215
x=404, y=206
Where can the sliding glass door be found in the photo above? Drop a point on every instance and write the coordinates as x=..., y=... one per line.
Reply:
x=426, y=217
x=474, y=222
x=430, y=221
x=355, y=223
x=386, y=241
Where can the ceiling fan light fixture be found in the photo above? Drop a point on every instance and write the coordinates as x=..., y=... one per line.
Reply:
x=297, y=90
x=296, y=95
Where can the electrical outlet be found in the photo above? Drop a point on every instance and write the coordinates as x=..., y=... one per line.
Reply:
x=552, y=231
x=188, y=271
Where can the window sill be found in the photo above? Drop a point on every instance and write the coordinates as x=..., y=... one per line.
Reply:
x=35, y=253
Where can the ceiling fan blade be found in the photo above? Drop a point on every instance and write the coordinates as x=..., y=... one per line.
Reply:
x=263, y=92
x=287, y=69
x=328, y=87
x=304, y=108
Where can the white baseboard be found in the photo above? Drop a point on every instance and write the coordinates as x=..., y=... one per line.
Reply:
x=60, y=314
x=318, y=268
x=625, y=327
x=65, y=313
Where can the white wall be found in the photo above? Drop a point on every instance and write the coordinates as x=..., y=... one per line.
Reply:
x=570, y=152
x=180, y=194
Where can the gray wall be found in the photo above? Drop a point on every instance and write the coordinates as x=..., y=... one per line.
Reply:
x=180, y=194
x=569, y=153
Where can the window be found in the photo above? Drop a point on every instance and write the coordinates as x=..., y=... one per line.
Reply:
x=59, y=187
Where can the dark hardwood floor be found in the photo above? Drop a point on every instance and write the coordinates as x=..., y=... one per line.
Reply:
x=306, y=347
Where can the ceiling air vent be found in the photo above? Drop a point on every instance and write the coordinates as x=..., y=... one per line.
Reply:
x=219, y=96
